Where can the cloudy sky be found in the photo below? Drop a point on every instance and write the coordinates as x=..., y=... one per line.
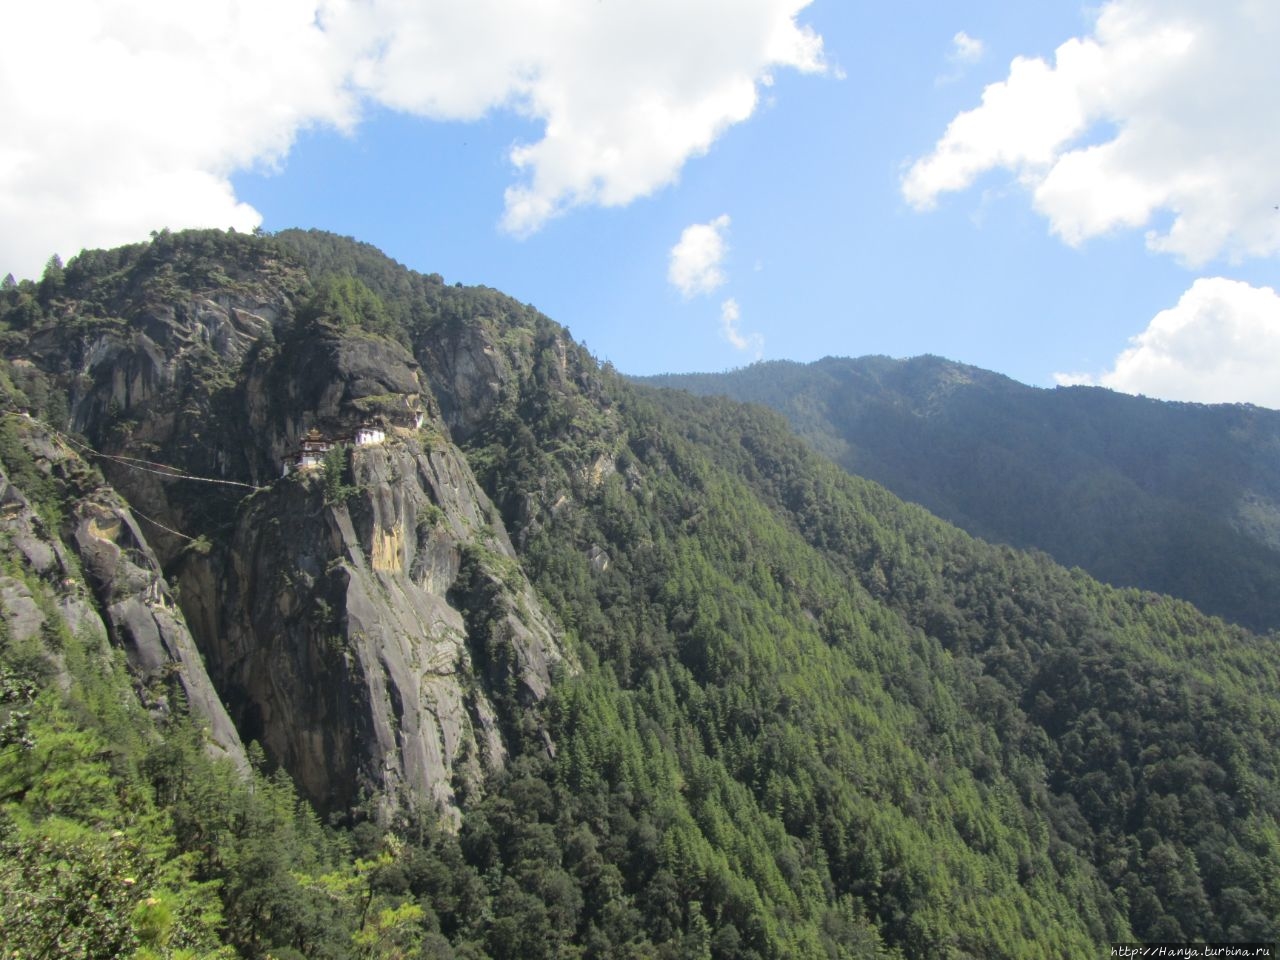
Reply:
x=1059, y=192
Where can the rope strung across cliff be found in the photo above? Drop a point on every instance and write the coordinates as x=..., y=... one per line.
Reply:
x=136, y=463
x=142, y=516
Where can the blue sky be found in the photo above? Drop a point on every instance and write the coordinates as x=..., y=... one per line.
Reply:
x=1078, y=209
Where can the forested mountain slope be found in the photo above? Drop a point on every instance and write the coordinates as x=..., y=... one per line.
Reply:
x=1179, y=498
x=714, y=697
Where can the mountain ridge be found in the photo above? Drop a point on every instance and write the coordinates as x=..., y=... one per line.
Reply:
x=1174, y=497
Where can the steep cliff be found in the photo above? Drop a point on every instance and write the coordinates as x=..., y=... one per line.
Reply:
x=365, y=621
x=344, y=629
x=90, y=573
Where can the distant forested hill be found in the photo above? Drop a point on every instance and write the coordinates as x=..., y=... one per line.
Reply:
x=1180, y=498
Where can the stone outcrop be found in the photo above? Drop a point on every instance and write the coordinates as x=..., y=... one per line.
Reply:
x=107, y=585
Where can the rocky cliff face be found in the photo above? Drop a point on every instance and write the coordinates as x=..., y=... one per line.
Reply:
x=94, y=577
x=366, y=622
x=346, y=630
x=501, y=377
x=156, y=373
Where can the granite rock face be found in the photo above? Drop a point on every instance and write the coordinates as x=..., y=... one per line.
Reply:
x=96, y=577
x=344, y=631
x=366, y=621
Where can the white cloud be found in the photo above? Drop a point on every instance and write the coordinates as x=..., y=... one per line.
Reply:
x=965, y=52
x=966, y=49
x=1163, y=113
x=122, y=116
x=730, y=314
x=1220, y=344
x=695, y=266
x=695, y=263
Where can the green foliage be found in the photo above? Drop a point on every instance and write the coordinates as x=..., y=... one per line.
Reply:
x=118, y=839
x=429, y=517
x=403, y=295
x=29, y=389
x=345, y=302
x=853, y=686
x=88, y=865
x=17, y=691
x=24, y=472
x=1174, y=497
x=337, y=470
x=415, y=303
x=53, y=279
